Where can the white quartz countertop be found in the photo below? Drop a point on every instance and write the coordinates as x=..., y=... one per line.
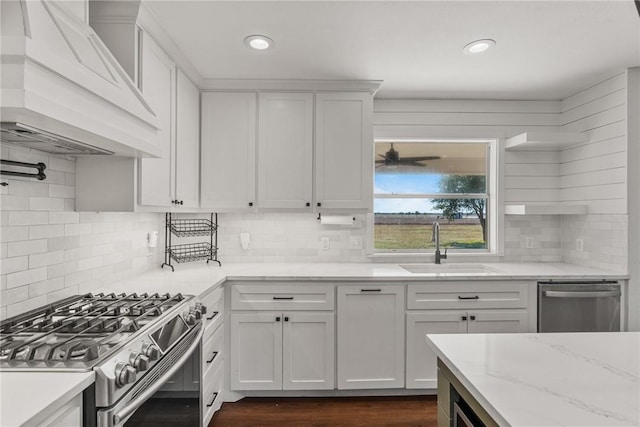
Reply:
x=28, y=398
x=195, y=278
x=552, y=379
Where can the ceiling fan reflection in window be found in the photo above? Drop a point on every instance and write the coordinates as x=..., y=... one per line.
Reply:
x=392, y=159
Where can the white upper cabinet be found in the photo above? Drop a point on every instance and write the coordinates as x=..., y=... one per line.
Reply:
x=344, y=150
x=187, y=176
x=285, y=150
x=228, y=166
x=158, y=86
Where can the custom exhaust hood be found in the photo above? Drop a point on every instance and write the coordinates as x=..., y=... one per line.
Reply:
x=62, y=89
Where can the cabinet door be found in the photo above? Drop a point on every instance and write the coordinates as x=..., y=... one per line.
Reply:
x=344, y=150
x=256, y=351
x=421, y=360
x=69, y=415
x=285, y=150
x=187, y=177
x=228, y=165
x=498, y=321
x=157, y=85
x=308, y=351
x=370, y=337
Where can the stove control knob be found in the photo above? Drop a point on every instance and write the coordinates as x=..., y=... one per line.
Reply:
x=125, y=374
x=201, y=308
x=151, y=351
x=196, y=312
x=139, y=361
x=190, y=318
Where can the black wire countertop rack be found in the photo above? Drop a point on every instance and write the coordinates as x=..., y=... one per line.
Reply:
x=195, y=251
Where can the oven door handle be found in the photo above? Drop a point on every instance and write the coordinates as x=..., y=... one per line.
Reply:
x=581, y=294
x=144, y=396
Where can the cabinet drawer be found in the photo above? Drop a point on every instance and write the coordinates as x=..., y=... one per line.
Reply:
x=212, y=352
x=461, y=295
x=212, y=396
x=214, y=302
x=282, y=297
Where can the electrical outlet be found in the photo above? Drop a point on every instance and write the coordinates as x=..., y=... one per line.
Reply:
x=355, y=242
x=529, y=243
x=579, y=245
x=324, y=243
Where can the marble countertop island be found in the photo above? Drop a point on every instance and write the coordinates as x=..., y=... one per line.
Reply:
x=552, y=379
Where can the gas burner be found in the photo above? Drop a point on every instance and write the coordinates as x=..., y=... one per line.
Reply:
x=85, y=350
x=80, y=328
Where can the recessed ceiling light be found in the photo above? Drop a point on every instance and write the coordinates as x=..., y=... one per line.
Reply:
x=478, y=46
x=259, y=42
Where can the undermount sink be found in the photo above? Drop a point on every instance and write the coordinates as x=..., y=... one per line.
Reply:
x=447, y=268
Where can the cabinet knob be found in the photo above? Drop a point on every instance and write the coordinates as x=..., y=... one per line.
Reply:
x=472, y=317
x=286, y=319
x=181, y=202
x=464, y=317
x=250, y=203
x=319, y=204
x=278, y=319
x=308, y=204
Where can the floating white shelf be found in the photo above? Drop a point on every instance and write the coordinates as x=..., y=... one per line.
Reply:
x=532, y=141
x=545, y=209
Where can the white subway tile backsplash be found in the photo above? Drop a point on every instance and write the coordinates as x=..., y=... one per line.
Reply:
x=45, y=204
x=14, y=295
x=62, y=191
x=27, y=247
x=27, y=218
x=11, y=265
x=15, y=203
x=22, y=188
x=45, y=259
x=63, y=217
x=13, y=234
x=46, y=286
x=26, y=277
x=45, y=231
x=48, y=251
x=63, y=165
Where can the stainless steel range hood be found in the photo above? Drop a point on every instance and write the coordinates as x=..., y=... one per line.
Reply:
x=63, y=91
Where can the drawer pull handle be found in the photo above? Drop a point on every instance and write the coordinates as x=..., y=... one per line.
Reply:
x=473, y=297
x=214, y=314
x=215, y=353
x=370, y=290
x=215, y=395
x=282, y=298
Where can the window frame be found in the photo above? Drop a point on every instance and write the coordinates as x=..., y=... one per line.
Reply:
x=491, y=196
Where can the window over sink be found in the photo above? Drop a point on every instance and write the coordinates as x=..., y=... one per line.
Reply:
x=419, y=182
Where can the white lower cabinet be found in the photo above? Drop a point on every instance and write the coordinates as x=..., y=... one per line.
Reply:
x=69, y=415
x=282, y=351
x=370, y=336
x=470, y=317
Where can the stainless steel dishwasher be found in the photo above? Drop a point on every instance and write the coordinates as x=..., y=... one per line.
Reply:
x=571, y=306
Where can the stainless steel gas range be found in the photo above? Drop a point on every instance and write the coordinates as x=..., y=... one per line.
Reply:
x=133, y=343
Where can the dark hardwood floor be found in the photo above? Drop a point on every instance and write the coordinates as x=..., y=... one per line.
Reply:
x=344, y=411
x=402, y=411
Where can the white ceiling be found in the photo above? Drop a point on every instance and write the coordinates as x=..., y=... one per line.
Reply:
x=545, y=49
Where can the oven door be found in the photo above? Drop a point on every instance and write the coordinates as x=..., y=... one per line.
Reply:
x=118, y=414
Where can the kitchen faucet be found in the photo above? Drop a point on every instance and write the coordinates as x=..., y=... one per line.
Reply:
x=435, y=231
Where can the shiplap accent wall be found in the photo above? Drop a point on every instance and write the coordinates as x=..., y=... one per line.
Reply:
x=595, y=173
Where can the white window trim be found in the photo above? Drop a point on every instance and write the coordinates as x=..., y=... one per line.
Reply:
x=495, y=211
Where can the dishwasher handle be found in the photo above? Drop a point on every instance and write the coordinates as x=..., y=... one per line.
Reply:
x=581, y=294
